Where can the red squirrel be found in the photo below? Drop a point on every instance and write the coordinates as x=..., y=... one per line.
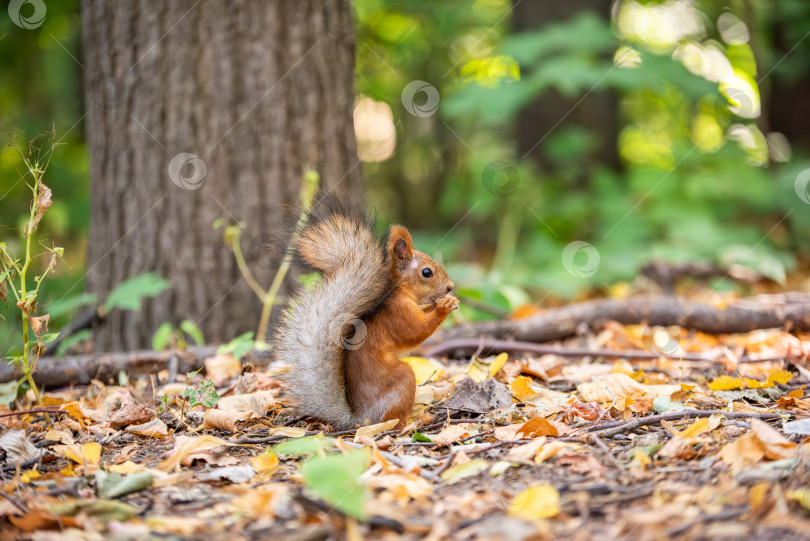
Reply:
x=340, y=341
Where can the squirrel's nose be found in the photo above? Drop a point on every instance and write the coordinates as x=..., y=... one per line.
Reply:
x=450, y=287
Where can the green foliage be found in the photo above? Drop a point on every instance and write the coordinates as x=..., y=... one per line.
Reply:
x=204, y=395
x=128, y=294
x=307, y=446
x=336, y=479
x=239, y=346
x=167, y=335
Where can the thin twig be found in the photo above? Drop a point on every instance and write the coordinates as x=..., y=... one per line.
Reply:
x=638, y=422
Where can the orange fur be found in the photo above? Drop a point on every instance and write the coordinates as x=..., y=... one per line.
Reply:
x=377, y=381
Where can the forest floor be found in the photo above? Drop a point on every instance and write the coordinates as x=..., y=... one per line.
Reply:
x=503, y=447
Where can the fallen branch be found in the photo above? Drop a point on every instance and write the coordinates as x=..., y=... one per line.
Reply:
x=81, y=369
x=487, y=345
x=559, y=323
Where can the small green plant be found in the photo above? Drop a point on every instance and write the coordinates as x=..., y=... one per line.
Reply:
x=232, y=235
x=14, y=271
x=167, y=335
x=204, y=395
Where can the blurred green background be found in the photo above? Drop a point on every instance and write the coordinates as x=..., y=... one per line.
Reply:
x=668, y=130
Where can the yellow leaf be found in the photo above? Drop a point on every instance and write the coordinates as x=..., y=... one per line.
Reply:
x=424, y=369
x=757, y=494
x=498, y=363
x=477, y=370
x=754, y=384
x=641, y=457
x=87, y=453
x=30, y=474
x=801, y=495
x=460, y=471
x=521, y=387
x=91, y=452
x=68, y=471
x=542, y=501
x=267, y=461
x=779, y=376
x=125, y=467
x=704, y=424
x=686, y=387
x=725, y=383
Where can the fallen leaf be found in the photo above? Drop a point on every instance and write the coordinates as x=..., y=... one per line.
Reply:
x=234, y=474
x=527, y=451
x=221, y=368
x=188, y=449
x=224, y=420
x=265, y=462
x=372, y=430
x=549, y=450
x=460, y=471
x=542, y=501
x=802, y=426
x=450, y=434
x=336, y=478
x=776, y=446
x=725, y=383
x=497, y=363
x=155, y=428
x=60, y=436
x=113, y=485
x=259, y=402
x=18, y=447
x=425, y=369
x=521, y=387
x=536, y=427
x=131, y=412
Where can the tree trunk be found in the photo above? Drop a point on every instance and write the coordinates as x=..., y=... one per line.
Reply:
x=598, y=112
x=258, y=93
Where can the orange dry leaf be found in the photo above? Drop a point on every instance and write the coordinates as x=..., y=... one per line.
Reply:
x=534, y=428
x=521, y=387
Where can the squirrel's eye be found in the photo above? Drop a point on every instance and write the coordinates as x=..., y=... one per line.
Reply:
x=427, y=273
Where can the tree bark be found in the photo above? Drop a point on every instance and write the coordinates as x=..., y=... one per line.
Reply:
x=260, y=92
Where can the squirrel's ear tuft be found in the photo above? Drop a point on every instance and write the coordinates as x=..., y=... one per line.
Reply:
x=400, y=245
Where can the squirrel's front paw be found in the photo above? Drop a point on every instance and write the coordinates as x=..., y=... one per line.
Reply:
x=446, y=304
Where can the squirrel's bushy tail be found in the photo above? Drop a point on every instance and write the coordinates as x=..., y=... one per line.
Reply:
x=321, y=323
